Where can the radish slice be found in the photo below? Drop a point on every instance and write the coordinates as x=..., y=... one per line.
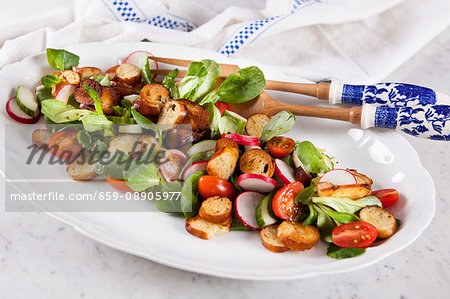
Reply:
x=250, y=147
x=256, y=182
x=245, y=206
x=284, y=172
x=201, y=146
x=17, y=114
x=243, y=139
x=338, y=177
x=64, y=93
x=138, y=59
x=199, y=166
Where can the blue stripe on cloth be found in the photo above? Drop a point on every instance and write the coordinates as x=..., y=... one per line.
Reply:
x=129, y=11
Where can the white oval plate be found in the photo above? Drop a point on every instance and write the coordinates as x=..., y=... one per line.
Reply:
x=382, y=154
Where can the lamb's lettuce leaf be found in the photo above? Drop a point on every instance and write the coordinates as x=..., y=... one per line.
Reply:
x=199, y=80
x=61, y=59
x=280, y=123
x=311, y=157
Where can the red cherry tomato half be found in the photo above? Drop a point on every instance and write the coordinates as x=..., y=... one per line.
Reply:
x=283, y=204
x=222, y=107
x=280, y=146
x=209, y=186
x=387, y=196
x=355, y=234
x=119, y=185
x=64, y=144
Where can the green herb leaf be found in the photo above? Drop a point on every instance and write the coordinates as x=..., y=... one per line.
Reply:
x=103, y=80
x=146, y=73
x=113, y=166
x=145, y=122
x=50, y=80
x=341, y=217
x=169, y=83
x=190, y=201
x=281, y=123
x=140, y=177
x=172, y=204
x=58, y=112
x=312, y=217
x=339, y=253
x=242, y=86
x=325, y=224
x=310, y=157
x=61, y=59
x=199, y=80
x=94, y=95
x=347, y=205
x=304, y=197
x=43, y=93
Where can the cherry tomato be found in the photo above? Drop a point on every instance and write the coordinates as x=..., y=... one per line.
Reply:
x=283, y=204
x=64, y=144
x=119, y=185
x=222, y=107
x=387, y=196
x=354, y=234
x=209, y=186
x=280, y=146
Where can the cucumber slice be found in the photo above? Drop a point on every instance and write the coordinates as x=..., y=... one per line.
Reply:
x=26, y=101
x=201, y=146
x=131, y=129
x=327, y=161
x=264, y=213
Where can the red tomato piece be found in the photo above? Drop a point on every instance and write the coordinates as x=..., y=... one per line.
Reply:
x=355, y=234
x=119, y=185
x=280, y=146
x=387, y=196
x=283, y=204
x=209, y=186
x=222, y=107
x=64, y=144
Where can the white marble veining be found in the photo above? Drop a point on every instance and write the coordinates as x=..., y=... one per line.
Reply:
x=42, y=258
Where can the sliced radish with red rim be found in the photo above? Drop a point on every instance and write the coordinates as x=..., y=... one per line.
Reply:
x=284, y=172
x=338, y=177
x=64, y=93
x=245, y=206
x=137, y=58
x=256, y=182
x=199, y=166
x=17, y=114
x=243, y=139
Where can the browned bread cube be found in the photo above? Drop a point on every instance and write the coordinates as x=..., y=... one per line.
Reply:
x=257, y=161
x=41, y=137
x=82, y=168
x=226, y=142
x=353, y=191
x=82, y=96
x=197, y=117
x=360, y=178
x=381, y=219
x=204, y=229
x=71, y=76
x=295, y=236
x=216, y=210
x=223, y=163
x=128, y=73
x=172, y=113
x=255, y=124
x=128, y=144
x=87, y=72
x=270, y=240
x=110, y=97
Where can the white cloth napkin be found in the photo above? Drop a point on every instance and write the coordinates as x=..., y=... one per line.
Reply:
x=351, y=40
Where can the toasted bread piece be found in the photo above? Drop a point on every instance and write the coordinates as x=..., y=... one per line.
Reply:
x=381, y=219
x=82, y=96
x=153, y=97
x=295, y=236
x=197, y=117
x=128, y=73
x=360, y=178
x=41, y=137
x=226, y=142
x=270, y=240
x=257, y=161
x=204, y=229
x=147, y=142
x=172, y=113
x=72, y=77
x=216, y=209
x=123, y=89
x=353, y=191
x=82, y=169
x=255, y=124
x=223, y=163
x=110, y=97
x=87, y=72
x=126, y=143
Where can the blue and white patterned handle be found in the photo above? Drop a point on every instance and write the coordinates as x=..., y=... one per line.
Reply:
x=389, y=94
x=428, y=121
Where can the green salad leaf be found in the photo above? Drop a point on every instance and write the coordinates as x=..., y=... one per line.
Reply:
x=279, y=124
x=43, y=93
x=242, y=86
x=61, y=59
x=169, y=83
x=347, y=205
x=214, y=117
x=199, y=80
x=172, y=204
x=339, y=253
x=190, y=201
x=325, y=224
x=50, y=80
x=140, y=177
x=103, y=80
x=311, y=157
x=312, y=217
x=340, y=217
x=113, y=167
x=94, y=96
x=145, y=122
x=146, y=73
x=304, y=197
x=58, y=112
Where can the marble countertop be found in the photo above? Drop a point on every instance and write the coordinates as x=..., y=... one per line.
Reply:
x=42, y=258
